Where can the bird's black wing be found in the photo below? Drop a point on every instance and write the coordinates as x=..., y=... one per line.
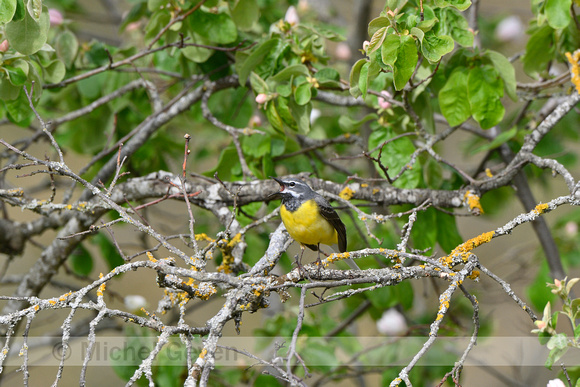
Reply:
x=328, y=213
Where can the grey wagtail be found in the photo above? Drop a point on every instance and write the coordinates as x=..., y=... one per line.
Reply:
x=309, y=218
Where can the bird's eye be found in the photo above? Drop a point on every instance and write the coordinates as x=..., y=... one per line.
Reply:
x=291, y=184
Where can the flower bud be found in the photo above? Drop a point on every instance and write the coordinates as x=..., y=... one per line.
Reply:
x=4, y=46
x=55, y=17
x=292, y=16
x=261, y=98
x=383, y=103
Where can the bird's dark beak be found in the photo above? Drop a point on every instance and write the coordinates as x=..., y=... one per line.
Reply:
x=276, y=195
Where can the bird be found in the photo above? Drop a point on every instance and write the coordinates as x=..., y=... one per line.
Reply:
x=309, y=218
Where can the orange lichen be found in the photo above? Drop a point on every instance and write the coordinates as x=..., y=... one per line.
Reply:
x=540, y=208
x=346, y=193
x=226, y=249
x=488, y=172
x=64, y=296
x=472, y=201
x=151, y=258
x=203, y=237
x=574, y=60
x=463, y=249
x=474, y=275
x=102, y=287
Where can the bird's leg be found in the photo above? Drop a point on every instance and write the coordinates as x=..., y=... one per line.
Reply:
x=299, y=261
x=318, y=260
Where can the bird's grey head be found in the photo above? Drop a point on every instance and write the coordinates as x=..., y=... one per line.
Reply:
x=291, y=188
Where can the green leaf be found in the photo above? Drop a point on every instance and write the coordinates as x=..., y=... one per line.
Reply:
x=453, y=98
x=27, y=36
x=20, y=11
x=197, y=54
x=34, y=8
x=497, y=141
x=485, y=89
x=363, y=80
x=382, y=298
x=155, y=5
x=435, y=46
x=158, y=20
x=17, y=74
x=425, y=229
x=108, y=251
x=540, y=51
x=268, y=166
x=454, y=24
x=369, y=71
x=245, y=14
x=258, y=84
x=575, y=305
x=54, y=72
x=350, y=125
x=274, y=117
x=407, y=58
x=303, y=93
x=506, y=72
x=377, y=40
x=554, y=356
x=395, y=156
x=558, y=13
x=97, y=54
x=289, y=72
x=284, y=112
x=285, y=90
x=558, y=346
x=390, y=48
x=19, y=110
x=354, y=78
x=81, y=261
x=256, y=58
x=8, y=91
x=218, y=28
x=228, y=160
x=448, y=235
x=429, y=19
x=319, y=353
x=7, y=10
x=67, y=47
x=328, y=77
x=91, y=87
x=396, y=4
x=378, y=23
x=256, y=145
x=301, y=114
x=404, y=294
x=461, y=5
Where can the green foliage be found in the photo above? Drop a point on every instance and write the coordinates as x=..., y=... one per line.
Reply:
x=395, y=156
x=29, y=35
x=7, y=10
x=81, y=261
x=559, y=343
x=424, y=60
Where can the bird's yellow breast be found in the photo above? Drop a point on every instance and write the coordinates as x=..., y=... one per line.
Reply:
x=307, y=226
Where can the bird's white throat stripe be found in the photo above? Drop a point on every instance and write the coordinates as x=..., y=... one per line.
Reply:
x=292, y=192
